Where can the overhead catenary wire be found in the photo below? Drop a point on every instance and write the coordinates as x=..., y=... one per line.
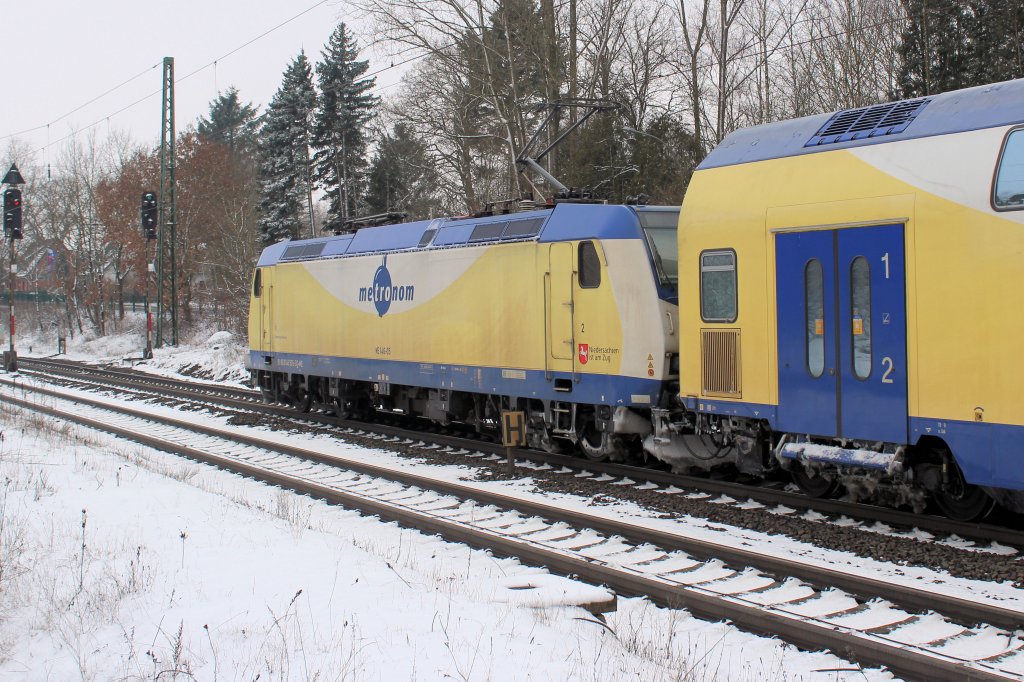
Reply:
x=81, y=106
x=743, y=52
x=154, y=93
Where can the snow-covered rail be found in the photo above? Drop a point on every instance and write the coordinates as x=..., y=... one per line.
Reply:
x=758, y=592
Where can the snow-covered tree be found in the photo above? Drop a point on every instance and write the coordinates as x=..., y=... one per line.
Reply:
x=339, y=131
x=230, y=122
x=284, y=143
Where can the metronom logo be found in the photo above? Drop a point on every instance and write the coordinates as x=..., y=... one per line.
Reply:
x=381, y=293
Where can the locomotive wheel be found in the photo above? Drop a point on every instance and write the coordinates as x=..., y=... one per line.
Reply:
x=597, y=445
x=594, y=454
x=814, y=486
x=341, y=410
x=962, y=501
x=593, y=443
x=298, y=399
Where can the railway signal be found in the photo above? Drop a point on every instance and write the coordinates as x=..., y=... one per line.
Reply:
x=148, y=214
x=12, y=231
x=12, y=213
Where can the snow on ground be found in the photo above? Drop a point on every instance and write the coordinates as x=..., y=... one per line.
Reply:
x=1003, y=594
x=203, y=354
x=119, y=562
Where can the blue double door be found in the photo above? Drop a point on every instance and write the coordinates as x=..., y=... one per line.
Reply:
x=842, y=333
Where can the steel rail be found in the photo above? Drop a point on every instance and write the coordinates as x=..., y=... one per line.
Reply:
x=807, y=634
x=930, y=523
x=963, y=611
x=130, y=377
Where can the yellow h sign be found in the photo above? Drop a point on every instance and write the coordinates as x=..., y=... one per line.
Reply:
x=513, y=429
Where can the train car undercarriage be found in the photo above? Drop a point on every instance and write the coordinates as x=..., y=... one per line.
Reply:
x=599, y=432
x=891, y=474
x=884, y=473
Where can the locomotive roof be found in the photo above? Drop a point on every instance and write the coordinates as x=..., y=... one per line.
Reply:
x=564, y=222
x=984, y=106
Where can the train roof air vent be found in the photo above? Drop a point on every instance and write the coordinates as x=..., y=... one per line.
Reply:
x=866, y=122
x=302, y=251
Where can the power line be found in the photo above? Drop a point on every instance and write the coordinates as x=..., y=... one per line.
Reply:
x=82, y=106
x=155, y=92
x=247, y=44
x=743, y=52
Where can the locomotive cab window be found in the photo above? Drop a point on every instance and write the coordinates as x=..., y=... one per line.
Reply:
x=589, y=266
x=660, y=228
x=1008, y=191
x=257, y=283
x=718, y=286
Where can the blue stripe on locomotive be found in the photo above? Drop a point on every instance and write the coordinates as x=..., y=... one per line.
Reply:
x=587, y=388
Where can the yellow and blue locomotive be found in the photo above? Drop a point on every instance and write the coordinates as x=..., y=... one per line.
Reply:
x=857, y=314
x=565, y=312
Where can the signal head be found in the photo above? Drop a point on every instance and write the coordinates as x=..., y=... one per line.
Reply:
x=12, y=213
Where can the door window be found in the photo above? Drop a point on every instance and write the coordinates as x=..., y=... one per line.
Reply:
x=718, y=286
x=814, y=307
x=860, y=316
x=257, y=284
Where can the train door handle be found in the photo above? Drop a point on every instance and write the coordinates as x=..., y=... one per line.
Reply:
x=831, y=371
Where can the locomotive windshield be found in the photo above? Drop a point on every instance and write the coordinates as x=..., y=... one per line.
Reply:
x=661, y=228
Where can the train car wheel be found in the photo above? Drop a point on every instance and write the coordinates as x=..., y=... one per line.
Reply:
x=815, y=486
x=962, y=501
x=594, y=443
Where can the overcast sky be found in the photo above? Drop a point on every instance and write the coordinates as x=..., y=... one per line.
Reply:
x=60, y=54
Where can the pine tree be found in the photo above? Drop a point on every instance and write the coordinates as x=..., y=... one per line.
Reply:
x=952, y=44
x=231, y=122
x=402, y=176
x=998, y=41
x=284, y=154
x=513, y=73
x=339, y=130
x=517, y=47
x=664, y=154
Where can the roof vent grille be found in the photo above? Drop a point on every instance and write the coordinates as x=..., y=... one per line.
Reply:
x=303, y=251
x=866, y=122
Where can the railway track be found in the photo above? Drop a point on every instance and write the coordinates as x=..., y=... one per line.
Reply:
x=772, y=496
x=929, y=636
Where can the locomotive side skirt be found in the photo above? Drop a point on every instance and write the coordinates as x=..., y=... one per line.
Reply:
x=605, y=389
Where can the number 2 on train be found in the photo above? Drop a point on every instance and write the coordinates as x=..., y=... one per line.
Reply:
x=886, y=378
